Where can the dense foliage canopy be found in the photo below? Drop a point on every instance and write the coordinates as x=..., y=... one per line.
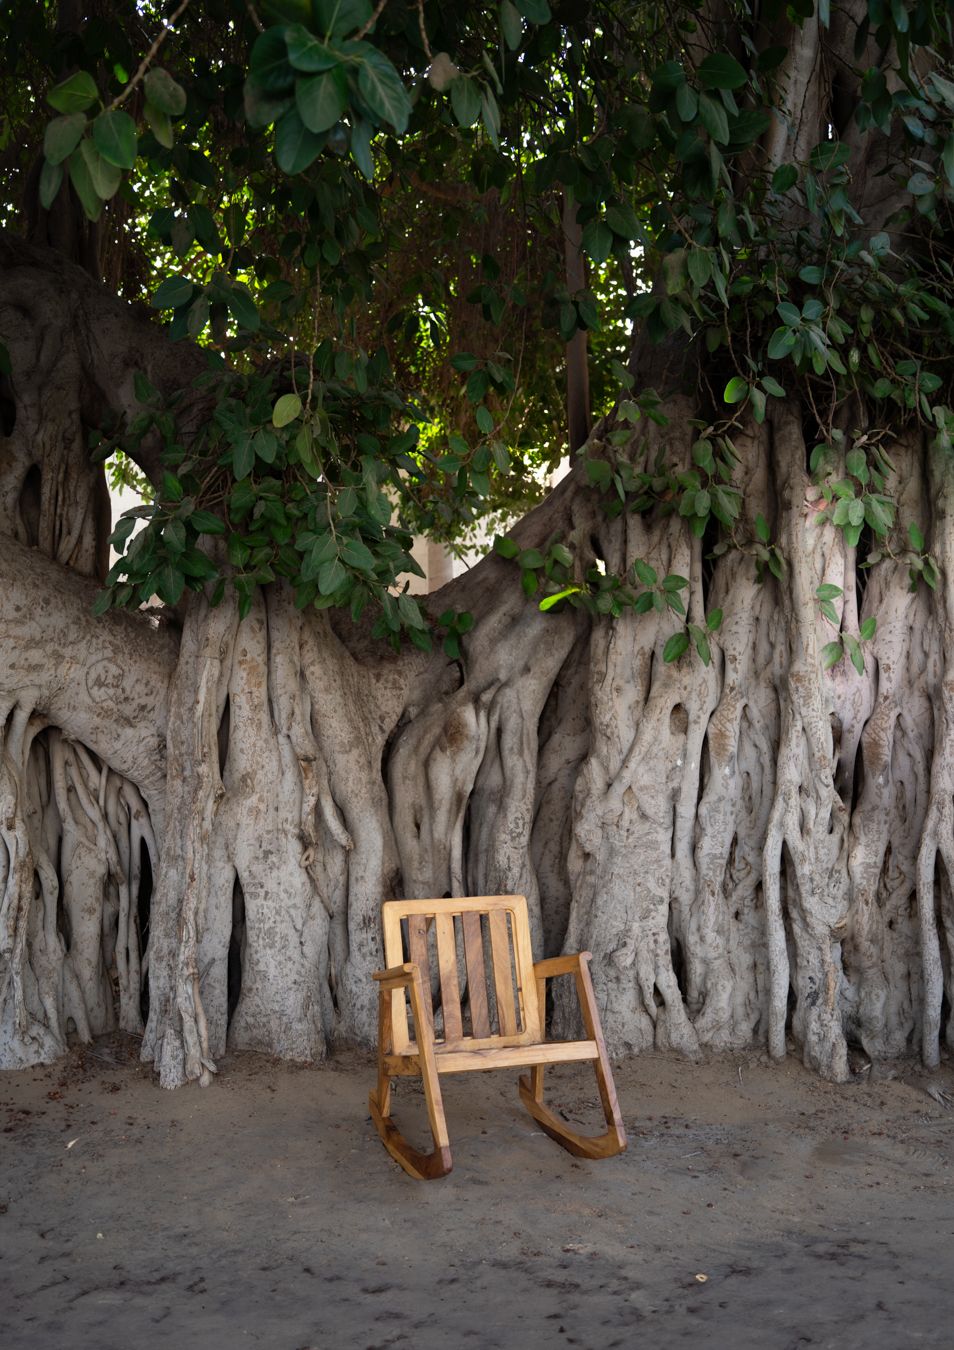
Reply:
x=377, y=222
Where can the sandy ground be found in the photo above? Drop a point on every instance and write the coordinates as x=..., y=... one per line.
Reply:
x=264, y=1211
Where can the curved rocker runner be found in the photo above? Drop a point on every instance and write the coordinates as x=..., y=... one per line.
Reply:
x=498, y=1025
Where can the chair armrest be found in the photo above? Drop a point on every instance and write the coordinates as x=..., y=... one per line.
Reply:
x=560, y=965
x=398, y=976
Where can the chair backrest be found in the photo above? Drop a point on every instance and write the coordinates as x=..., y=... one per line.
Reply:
x=476, y=965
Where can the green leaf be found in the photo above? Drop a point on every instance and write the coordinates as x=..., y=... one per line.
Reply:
x=123, y=530
x=552, y=600
x=269, y=67
x=721, y=71
x=831, y=654
x=784, y=178
x=168, y=584
x=265, y=444
x=772, y=386
x=701, y=643
x=947, y=159
x=490, y=116
x=173, y=293
x=920, y=184
x=51, y=180
x=781, y=343
x=62, y=136
x=505, y=547
x=621, y=219
x=356, y=553
x=409, y=611
x=83, y=185
x=829, y=611
x=713, y=117
x=485, y=421
x=286, y=409
x=103, y=177
x=338, y=18
x=856, y=463
x=114, y=135
x=174, y=534
x=295, y=146
x=762, y=529
x=828, y=592
x=644, y=573
x=736, y=390
x=561, y=554
x=165, y=93
x=856, y=655
x=331, y=577
x=599, y=472
x=597, y=240
x=308, y=53
x=172, y=490
x=675, y=647
x=535, y=11
x=916, y=537
x=829, y=155
x=161, y=127
x=243, y=308
x=465, y=100
x=714, y=621
x=699, y=264
x=321, y=99
x=510, y=25
x=204, y=522
x=74, y=95
x=868, y=629
x=243, y=457
x=382, y=90
x=361, y=147
x=879, y=513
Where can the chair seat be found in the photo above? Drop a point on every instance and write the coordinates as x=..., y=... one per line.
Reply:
x=504, y=1057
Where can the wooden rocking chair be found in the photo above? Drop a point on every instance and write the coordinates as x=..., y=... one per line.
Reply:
x=500, y=1024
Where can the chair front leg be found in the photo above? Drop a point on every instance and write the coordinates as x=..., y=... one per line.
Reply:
x=422, y=1166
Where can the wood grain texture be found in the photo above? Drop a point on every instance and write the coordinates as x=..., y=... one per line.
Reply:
x=450, y=986
x=476, y=974
x=503, y=976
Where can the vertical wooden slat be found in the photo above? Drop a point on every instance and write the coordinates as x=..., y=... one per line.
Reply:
x=503, y=977
x=394, y=956
x=532, y=1010
x=476, y=979
x=450, y=987
x=417, y=952
x=385, y=1046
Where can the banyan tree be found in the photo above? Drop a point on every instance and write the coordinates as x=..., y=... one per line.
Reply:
x=318, y=277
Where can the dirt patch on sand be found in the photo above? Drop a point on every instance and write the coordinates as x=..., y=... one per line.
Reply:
x=264, y=1211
